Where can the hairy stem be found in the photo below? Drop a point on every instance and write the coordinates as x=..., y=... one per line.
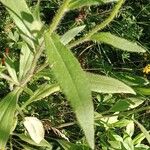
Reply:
x=40, y=48
x=100, y=26
x=59, y=15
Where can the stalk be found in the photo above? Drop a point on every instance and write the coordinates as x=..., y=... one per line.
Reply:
x=99, y=26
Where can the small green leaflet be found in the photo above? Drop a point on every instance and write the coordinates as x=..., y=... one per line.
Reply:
x=117, y=42
x=73, y=82
x=120, y=106
x=42, y=92
x=7, y=118
x=69, y=35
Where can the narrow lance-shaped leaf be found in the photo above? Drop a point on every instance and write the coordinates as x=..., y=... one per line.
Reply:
x=103, y=84
x=69, y=35
x=26, y=58
x=118, y=42
x=143, y=90
x=80, y=3
x=145, y=132
x=23, y=18
x=138, y=139
x=42, y=92
x=73, y=82
x=27, y=139
x=7, y=112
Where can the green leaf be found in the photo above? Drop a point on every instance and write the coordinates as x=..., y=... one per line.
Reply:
x=69, y=35
x=71, y=146
x=145, y=132
x=122, y=123
x=127, y=142
x=109, y=121
x=26, y=59
x=138, y=139
x=117, y=42
x=2, y=68
x=7, y=114
x=142, y=147
x=42, y=92
x=27, y=147
x=115, y=144
x=115, y=137
x=131, y=79
x=36, y=12
x=72, y=80
x=27, y=139
x=13, y=36
x=135, y=101
x=74, y=4
x=143, y=90
x=104, y=84
x=120, y=106
x=35, y=128
x=11, y=69
x=130, y=129
x=23, y=18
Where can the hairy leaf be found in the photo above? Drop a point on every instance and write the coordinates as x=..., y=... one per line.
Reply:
x=104, y=84
x=73, y=82
x=118, y=42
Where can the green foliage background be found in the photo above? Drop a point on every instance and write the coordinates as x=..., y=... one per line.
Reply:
x=132, y=23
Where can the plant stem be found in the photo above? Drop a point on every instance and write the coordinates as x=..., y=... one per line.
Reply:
x=103, y=116
x=127, y=113
x=34, y=63
x=59, y=15
x=100, y=26
x=40, y=48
